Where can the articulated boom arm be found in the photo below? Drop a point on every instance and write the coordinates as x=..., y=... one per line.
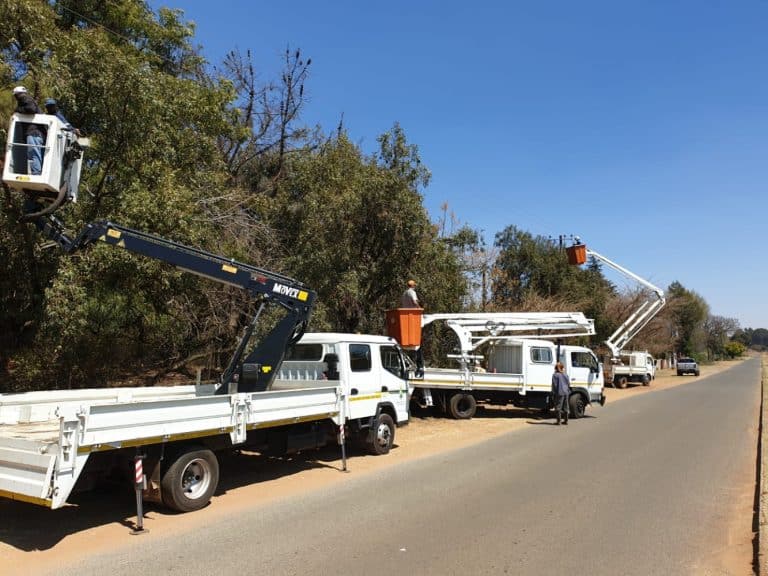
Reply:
x=474, y=329
x=257, y=370
x=640, y=317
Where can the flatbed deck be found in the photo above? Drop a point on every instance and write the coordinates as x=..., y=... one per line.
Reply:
x=47, y=437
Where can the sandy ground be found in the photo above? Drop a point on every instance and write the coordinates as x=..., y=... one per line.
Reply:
x=35, y=539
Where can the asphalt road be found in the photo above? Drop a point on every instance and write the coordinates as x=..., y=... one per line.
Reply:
x=644, y=487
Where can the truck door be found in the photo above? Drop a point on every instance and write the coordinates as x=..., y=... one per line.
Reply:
x=394, y=379
x=364, y=383
x=584, y=369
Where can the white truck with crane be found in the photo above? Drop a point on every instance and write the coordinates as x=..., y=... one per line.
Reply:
x=631, y=366
x=55, y=442
x=503, y=358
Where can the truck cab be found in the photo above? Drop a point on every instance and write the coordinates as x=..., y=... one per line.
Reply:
x=371, y=371
x=639, y=367
x=534, y=362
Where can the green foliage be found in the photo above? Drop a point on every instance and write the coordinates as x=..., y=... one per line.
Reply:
x=689, y=311
x=356, y=230
x=215, y=162
x=530, y=268
x=734, y=349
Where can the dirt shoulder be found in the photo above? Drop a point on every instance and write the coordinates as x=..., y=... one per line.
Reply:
x=34, y=539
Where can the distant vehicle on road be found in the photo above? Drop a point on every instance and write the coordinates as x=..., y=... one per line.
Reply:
x=687, y=366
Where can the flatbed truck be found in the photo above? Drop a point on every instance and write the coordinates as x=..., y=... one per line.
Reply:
x=519, y=354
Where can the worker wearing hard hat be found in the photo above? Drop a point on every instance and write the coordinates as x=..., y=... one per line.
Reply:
x=25, y=104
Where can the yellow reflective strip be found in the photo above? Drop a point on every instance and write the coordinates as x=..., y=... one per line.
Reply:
x=286, y=421
x=303, y=295
x=88, y=448
x=47, y=502
x=368, y=397
x=112, y=233
x=228, y=268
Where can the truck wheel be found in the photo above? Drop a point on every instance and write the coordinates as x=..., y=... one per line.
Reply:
x=696, y=373
x=578, y=406
x=621, y=382
x=462, y=406
x=679, y=373
x=383, y=435
x=191, y=479
x=646, y=380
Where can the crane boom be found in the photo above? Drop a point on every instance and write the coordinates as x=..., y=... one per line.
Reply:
x=475, y=329
x=251, y=369
x=254, y=365
x=640, y=317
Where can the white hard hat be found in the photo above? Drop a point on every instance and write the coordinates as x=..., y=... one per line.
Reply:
x=19, y=90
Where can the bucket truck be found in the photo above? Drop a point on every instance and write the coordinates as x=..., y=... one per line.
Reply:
x=633, y=366
x=503, y=358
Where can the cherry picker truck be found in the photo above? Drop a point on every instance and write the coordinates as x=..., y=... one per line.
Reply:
x=640, y=366
x=55, y=442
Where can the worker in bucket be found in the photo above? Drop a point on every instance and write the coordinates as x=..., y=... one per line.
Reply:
x=410, y=299
x=52, y=108
x=561, y=391
x=25, y=104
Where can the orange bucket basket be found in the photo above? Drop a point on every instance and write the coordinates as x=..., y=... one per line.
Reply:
x=404, y=325
x=577, y=254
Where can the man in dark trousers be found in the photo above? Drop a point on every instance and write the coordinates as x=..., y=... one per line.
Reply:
x=561, y=391
x=25, y=104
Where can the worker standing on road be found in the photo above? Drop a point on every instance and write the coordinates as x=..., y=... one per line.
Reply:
x=410, y=299
x=561, y=391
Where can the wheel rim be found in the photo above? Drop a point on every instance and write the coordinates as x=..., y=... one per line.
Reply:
x=383, y=435
x=196, y=478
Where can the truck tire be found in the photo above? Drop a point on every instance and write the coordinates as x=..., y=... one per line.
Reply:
x=578, y=406
x=621, y=382
x=462, y=406
x=696, y=373
x=646, y=380
x=190, y=480
x=382, y=437
x=679, y=373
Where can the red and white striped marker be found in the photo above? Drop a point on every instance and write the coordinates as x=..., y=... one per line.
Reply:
x=139, y=470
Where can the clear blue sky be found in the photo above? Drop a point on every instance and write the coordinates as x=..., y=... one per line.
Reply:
x=639, y=126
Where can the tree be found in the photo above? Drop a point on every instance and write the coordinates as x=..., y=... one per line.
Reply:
x=743, y=335
x=357, y=229
x=125, y=79
x=688, y=311
x=734, y=349
x=718, y=330
x=533, y=269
